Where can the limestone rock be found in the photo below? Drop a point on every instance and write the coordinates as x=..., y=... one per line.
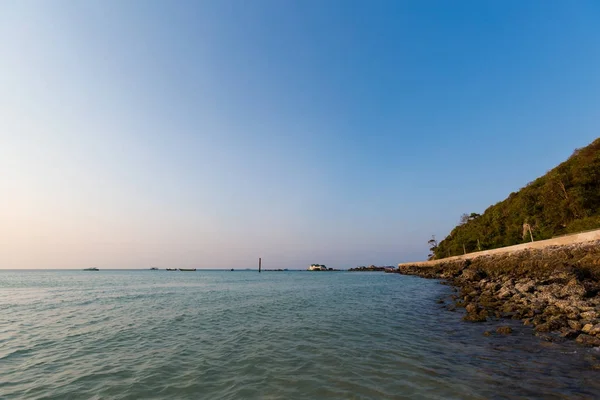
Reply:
x=569, y=334
x=471, y=308
x=573, y=288
x=504, y=293
x=575, y=325
x=588, y=340
x=526, y=287
x=589, y=315
x=504, y=330
x=595, y=330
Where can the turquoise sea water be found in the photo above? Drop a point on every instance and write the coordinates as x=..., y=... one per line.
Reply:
x=274, y=335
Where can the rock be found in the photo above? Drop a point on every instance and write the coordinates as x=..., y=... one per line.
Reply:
x=573, y=288
x=556, y=289
x=505, y=330
x=472, y=308
x=589, y=315
x=508, y=281
x=595, y=331
x=569, y=333
x=472, y=275
x=527, y=313
x=508, y=308
x=552, y=310
x=561, y=275
x=575, y=325
x=504, y=293
x=550, y=326
x=573, y=316
x=526, y=287
x=587, y=328
x=550, y=338
x=474, y=317
x=487, y=333
x=588, y=340
x=583, y=309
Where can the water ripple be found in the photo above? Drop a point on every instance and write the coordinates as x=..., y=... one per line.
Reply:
x=293, y=335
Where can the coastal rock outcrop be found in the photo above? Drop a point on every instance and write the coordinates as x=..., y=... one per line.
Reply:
x=555, y=289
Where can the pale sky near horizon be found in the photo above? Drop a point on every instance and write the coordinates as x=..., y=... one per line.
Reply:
x=208, y=134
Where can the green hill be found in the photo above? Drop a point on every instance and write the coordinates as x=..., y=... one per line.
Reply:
x=565, y=200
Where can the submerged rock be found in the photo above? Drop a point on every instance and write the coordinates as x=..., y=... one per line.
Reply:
x=504, y=330
x=588, y=340
x=569, y=333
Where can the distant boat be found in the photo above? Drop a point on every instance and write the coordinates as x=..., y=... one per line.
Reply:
x=232, y=269
x=92, y=269
x=187, y=269
x=171, y=269
x=153, y=269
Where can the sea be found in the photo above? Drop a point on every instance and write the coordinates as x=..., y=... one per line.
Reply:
x=141, y=334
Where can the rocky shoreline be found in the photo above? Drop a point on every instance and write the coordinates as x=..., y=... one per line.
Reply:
x=555, y=289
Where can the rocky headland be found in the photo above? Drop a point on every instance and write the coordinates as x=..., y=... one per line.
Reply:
x=555, y=289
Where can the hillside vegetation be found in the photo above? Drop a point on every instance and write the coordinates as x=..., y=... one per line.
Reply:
x=565, y=200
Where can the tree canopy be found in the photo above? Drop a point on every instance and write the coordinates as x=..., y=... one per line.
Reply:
x=564, y=200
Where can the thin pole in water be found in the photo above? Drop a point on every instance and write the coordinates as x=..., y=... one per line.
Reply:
x=259, y=264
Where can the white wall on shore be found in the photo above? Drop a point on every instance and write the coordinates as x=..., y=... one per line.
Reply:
x=559, y=241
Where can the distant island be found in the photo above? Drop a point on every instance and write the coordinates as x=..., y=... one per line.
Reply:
x=372, y=268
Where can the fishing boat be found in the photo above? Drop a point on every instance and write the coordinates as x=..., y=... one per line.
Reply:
x=92, y=269
x=153, y=269
x=171, y=269
x=187, y=269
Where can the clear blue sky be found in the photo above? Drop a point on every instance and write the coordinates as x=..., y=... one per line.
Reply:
x=209, y=133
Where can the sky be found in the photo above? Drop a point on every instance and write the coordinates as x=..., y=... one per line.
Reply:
x=210, y=133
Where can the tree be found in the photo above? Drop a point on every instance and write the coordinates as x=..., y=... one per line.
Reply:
x=465, y=218
x=565, y=200
x=433, y=246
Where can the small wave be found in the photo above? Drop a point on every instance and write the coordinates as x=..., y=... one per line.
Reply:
x=287, y=336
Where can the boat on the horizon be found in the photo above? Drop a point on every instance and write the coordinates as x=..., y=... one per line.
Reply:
x=91, y=269
x=153, y=269
x=187, y=269
x=171, y=269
